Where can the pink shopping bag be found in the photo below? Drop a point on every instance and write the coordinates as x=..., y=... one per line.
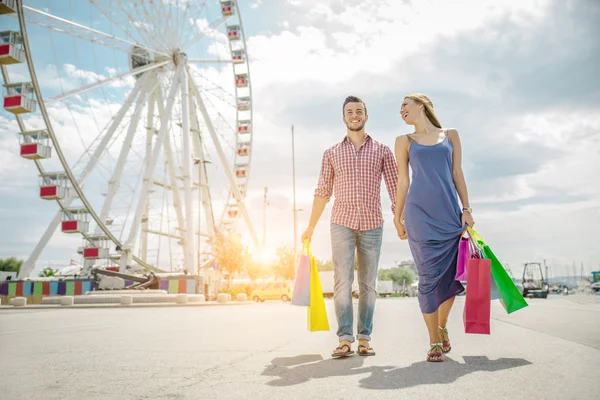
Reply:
x=464, y=254
x=476, y=315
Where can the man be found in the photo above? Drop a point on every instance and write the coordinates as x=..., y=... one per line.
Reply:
x=352, y=170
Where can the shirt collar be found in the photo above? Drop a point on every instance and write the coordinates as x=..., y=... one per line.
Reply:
x=367, y=139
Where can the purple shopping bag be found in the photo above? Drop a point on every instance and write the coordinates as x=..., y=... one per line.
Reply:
x=464, y=254
x=301, y=294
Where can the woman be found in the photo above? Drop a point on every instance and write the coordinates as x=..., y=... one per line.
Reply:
x=429, y=214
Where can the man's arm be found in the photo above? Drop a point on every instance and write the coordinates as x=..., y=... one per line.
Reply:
x=390, y=176
x=322, y=195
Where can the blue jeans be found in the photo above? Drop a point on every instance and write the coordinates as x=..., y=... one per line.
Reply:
x=367, y=244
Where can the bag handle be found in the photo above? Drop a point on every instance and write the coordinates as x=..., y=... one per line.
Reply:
x=476, y=241
x=306, y=248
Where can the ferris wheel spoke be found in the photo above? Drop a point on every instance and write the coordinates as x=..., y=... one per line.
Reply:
x=114, y=182
x=224, y=164
x=104, y=82
x=189, y=45
x=58, y=24
x=149, y=135
x=187, y=170
x=149, y=172
x=209, y=61
x=204, y=188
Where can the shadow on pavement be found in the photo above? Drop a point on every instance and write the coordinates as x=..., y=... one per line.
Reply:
x=300, y=369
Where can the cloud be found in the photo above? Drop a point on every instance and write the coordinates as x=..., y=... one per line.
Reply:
x=517, y=79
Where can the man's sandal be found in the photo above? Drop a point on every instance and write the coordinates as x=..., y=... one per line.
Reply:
x=344, y=344
x=446, y=347
x=435, y=353
x=365, y=350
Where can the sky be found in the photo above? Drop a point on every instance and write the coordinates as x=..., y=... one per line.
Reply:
x=517, y=79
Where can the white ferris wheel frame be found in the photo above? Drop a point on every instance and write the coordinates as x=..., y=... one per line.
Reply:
x=146, y=87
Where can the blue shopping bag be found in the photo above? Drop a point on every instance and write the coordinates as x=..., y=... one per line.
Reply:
x=301, y=294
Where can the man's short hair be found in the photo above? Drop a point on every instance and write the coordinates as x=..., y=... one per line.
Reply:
x=353, y=99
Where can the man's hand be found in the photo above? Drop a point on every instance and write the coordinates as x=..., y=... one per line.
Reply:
x=307, y=235
x=401, y=229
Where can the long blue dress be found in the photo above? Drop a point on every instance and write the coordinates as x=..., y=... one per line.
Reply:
x=432, y=219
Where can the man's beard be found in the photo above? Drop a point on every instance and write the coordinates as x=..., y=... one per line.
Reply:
x=361, y=127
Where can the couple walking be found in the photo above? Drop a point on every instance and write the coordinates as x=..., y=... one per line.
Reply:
x=426, y=212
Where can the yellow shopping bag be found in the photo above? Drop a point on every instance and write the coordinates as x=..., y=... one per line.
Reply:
x=317, y=314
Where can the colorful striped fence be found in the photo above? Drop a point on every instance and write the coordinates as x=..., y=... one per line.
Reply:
x=176, y=285
x=35, y=290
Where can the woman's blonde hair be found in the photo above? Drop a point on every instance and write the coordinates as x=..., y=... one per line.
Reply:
x=427, y=106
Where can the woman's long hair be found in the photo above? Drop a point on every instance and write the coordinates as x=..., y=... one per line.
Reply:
x=428, y=107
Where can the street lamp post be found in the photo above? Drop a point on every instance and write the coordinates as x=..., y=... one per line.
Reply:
x=294, y=196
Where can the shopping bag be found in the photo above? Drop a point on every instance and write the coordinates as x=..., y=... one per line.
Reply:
x=301, y=293
x=510, y=297
x=464, y=254
x=317, y=313
x=476, y=314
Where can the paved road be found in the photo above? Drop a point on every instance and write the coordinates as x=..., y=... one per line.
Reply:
x=550, y=350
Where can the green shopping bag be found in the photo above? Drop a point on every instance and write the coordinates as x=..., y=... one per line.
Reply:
x=510, y=296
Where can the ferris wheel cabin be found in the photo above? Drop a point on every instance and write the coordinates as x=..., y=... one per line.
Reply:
x=241, y=171
x=243, y=103
x=234, y=32
x=243, y=149
x=53, y=186
x=241, y=80
x=96, y=247
x=238, y=56
x=244, y=126
x=11, y=48
x=8, y=6
x=227, y=8
x=19, y=98
x=35, y=145
x=75, y=220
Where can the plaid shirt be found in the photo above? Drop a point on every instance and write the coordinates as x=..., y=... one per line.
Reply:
x=354, y=176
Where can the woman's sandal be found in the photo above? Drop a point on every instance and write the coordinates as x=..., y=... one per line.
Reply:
x=344, y=344
x=446, y=347
x=365, y=350
x=435, y=353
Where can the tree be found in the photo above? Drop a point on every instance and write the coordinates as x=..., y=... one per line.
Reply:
x=325, y=265
x=47, y=272
x=255, y=270
x=229, y=254
x=285, y=267
x=400, y=275
x=328, y=265
x=10, y=264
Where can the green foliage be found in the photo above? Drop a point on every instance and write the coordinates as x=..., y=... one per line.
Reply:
x=327, y=265
x=285, y=267
x=47, y=272
x=10, y=264
x=255, y=269
x=400, y=275
x=229, y=254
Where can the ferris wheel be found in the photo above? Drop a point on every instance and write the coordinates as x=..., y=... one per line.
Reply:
x=138, y=117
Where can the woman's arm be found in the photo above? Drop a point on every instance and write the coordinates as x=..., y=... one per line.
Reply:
x=457, y=172
x=401, y=151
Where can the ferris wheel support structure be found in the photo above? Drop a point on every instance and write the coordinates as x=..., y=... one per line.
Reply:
x=149, y=171
x=232, y=183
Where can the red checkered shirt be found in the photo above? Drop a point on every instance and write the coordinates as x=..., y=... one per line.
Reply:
x=354, y=177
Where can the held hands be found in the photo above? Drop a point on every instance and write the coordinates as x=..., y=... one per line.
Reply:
x=307, y=235
x=401, y=229
x=467, y=219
